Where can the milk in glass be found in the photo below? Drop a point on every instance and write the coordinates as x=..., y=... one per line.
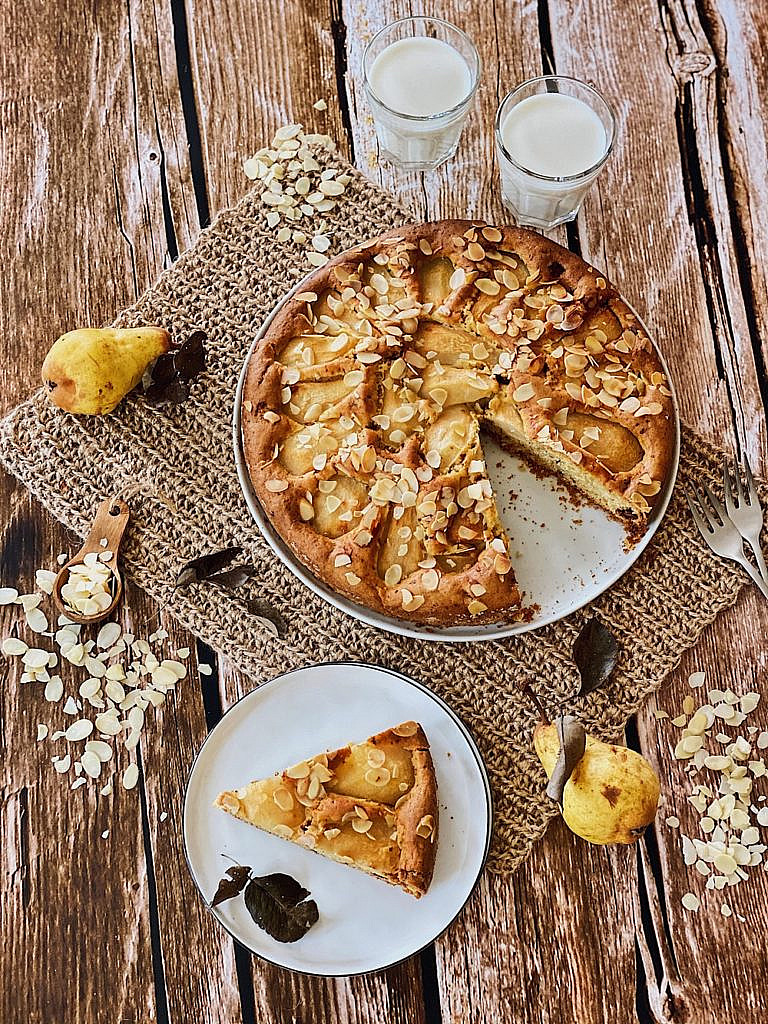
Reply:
x=551, y=147
x=419, y=88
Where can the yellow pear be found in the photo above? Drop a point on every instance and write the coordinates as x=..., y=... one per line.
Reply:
x=612, y=795
x=90, y=370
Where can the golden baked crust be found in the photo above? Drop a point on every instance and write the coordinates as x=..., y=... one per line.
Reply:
x=372, y=805
x=363, y=404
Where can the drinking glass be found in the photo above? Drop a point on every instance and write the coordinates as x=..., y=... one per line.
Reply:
x=542, y=200
x=420, y=142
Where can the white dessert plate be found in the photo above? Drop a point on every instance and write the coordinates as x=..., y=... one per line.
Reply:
x=365, y=924
x=564, y=554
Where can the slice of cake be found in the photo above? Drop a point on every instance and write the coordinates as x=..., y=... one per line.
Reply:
x=372, y=805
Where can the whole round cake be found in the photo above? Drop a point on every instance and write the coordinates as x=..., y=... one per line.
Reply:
x=365, y=403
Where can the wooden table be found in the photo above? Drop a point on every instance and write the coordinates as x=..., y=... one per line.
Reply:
x=124, y=127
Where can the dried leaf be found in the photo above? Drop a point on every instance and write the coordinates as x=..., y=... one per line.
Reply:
x=189, y=360
x=267, y=617
x=573, y=742
x=278, y=904
x=164, y=372
x=595, y=652
x=232, y=885
x=173, y=393
x=173, y=371
x=235, y=577
x=206, y=565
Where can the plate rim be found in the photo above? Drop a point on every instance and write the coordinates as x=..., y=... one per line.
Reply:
x=483, y=771
x=405, y=627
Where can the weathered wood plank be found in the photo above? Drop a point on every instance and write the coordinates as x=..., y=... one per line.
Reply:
x=737, y=34
x=256, y=67
x=93, y=88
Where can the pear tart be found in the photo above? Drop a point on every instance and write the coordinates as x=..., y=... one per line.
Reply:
x=364, y=404
x=371, y=805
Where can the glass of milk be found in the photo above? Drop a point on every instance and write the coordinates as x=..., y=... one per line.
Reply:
x=553, y=135
x=420, y=77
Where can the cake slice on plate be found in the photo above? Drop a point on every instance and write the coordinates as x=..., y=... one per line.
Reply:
x=372, y=805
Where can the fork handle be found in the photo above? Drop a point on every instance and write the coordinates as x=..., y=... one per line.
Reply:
x=761, y=567
x=754, y=575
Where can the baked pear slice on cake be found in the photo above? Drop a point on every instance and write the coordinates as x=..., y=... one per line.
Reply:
x=371, y=805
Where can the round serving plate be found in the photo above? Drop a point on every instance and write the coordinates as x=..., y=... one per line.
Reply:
x=564, y=553
x=365, y=924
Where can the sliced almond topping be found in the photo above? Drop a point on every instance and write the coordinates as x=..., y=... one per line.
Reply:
x=523, y=393
x=283, y=799
x=377, y=776
x=406, y=729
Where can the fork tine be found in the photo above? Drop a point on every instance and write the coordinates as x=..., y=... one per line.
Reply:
x=753, y=498
x=738, y=481
x=702, y=526
x=704, y=507
x=716, y=503
x=728, y=487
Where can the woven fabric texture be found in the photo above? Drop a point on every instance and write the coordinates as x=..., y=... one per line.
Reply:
x=178, y=466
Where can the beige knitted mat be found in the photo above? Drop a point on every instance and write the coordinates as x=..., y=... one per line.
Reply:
x=189, y=502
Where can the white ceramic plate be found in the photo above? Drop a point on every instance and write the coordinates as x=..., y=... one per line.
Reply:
x=564, y=555
x=365, y=924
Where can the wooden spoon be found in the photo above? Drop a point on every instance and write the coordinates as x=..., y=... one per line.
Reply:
x=110, y=523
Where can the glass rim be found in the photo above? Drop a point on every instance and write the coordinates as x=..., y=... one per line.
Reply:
x=475, y=72
x=549, y=177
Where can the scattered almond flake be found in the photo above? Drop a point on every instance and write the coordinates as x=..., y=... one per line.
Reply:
x=691, y=901
x=36, y=620
x=659, y=715
x=54, y=689
x=163, y=815
x=130, y=776
x=725, y=910
x=696, y=679
x=183, y=652
x=8, y=595
x=106, y=789
x=44, y=580
x=100, y=748
x=79, y=730
x=762, y=817
x=320, y=104
x=91, y=764
x=62, y=764
x=70, y=706
x=108, y=635
x=108, y=724
x=42, y=731
x=673, y=822
x=14, y=647
x=78, y=782
x=205, y=670
x=105, y=833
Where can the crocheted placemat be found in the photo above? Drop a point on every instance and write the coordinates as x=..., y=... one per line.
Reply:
x=177, y=463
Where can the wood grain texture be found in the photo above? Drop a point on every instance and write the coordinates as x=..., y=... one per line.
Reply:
x=97, y=173
x=123, y=128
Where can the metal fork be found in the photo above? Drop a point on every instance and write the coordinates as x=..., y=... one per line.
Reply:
x=744, y=511
x=720, y=534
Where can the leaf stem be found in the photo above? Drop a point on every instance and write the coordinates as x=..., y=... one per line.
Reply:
x=536, y=703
